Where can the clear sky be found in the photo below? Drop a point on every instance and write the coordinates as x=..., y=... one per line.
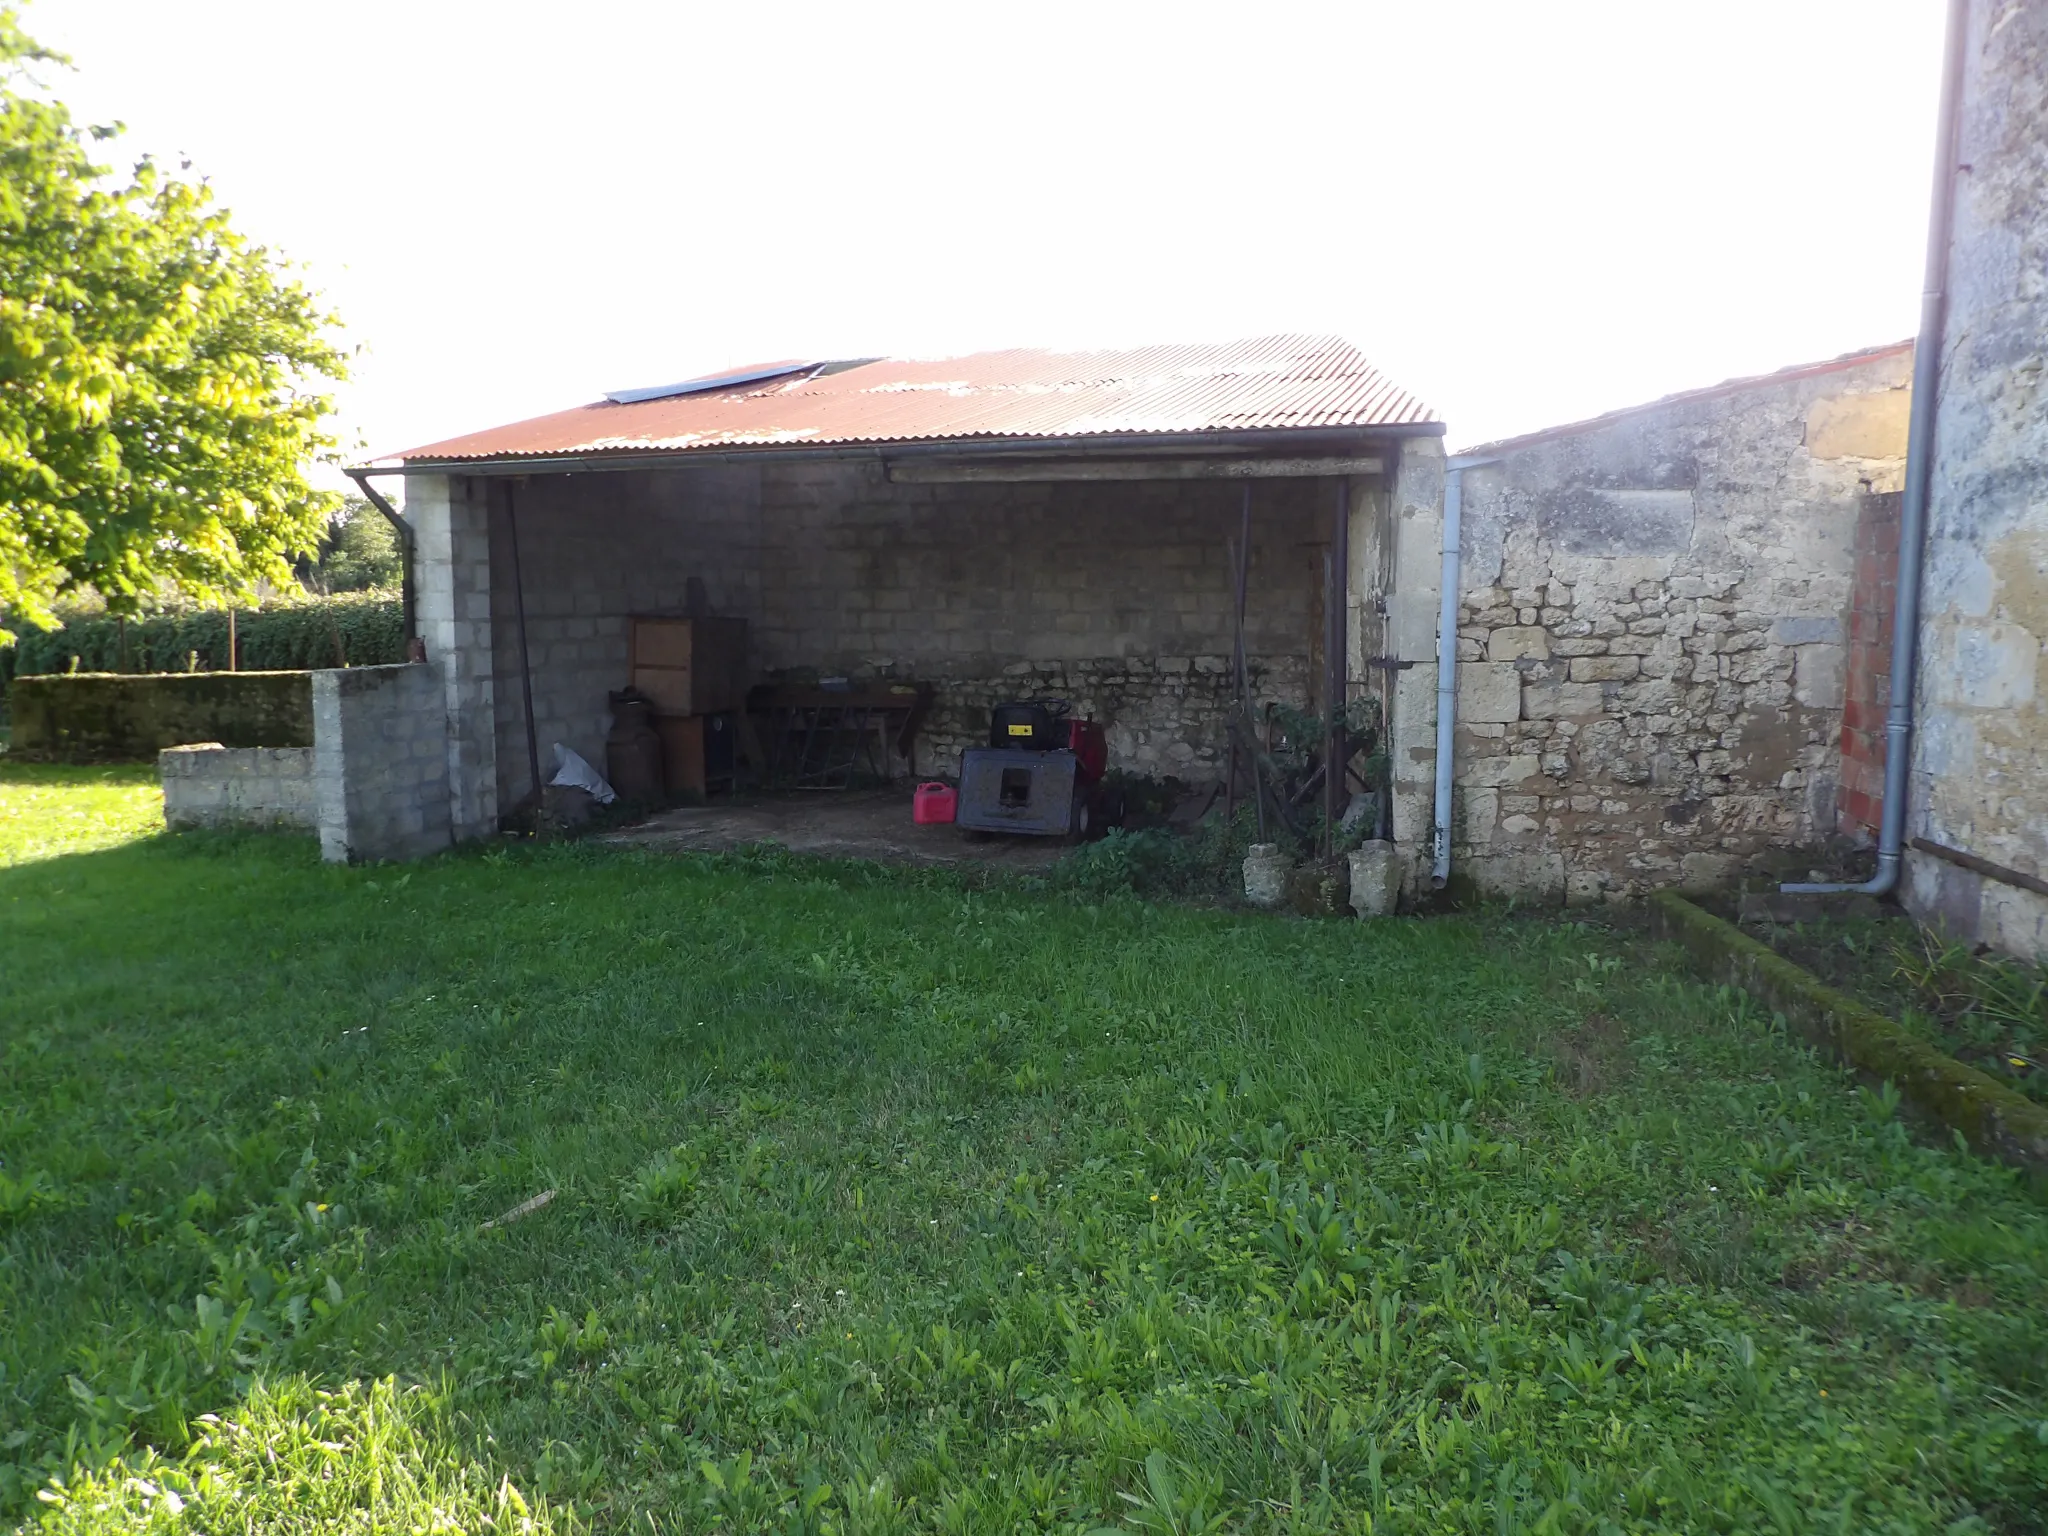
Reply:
x=1527, y=213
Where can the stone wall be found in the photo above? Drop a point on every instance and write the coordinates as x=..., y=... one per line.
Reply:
x=380, y=763
x=1115, y=595
x=1980, y=781
x=130, y=717
x=1652, y=631
x=209, y=785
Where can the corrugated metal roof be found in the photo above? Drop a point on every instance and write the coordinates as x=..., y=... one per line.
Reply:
x=1269, y=383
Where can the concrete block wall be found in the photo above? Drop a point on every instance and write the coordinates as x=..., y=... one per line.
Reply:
x=381, y=753
x=451, y=518
x=208, y=785
x=1114, y=595
x=1652, y=632
x=1980, y=774
x=594, y=550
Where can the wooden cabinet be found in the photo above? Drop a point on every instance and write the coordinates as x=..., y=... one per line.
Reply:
x=697, y=753
x=691, y=666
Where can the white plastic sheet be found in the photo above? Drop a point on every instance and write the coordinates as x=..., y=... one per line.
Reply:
x=572, y=772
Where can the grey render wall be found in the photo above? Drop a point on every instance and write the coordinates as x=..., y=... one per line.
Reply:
x=1651, y=632
x=1980, y=779
x=1115, y=595
x=380, y=763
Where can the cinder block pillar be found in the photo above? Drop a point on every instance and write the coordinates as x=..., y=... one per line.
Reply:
x=451, y=523
x=380, y=763
x=1412, y=601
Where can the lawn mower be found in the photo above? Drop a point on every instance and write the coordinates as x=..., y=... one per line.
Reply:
x=1040, y=775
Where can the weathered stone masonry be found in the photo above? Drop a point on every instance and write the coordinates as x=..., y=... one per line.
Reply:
x=1980, y=770
x=1652, y=630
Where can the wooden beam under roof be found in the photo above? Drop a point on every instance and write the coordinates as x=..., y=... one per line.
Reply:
x=967, y=471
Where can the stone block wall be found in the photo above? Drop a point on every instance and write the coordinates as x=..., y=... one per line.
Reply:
x=1115, y=595
x=132, y=717
x=209, y=785
x=1652, y=632
x=380, y=763
x=1980, y=771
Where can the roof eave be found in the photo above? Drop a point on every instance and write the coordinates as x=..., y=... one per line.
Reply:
x=1120, y=444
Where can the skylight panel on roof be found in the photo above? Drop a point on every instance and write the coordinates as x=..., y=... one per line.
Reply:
x=752, y=375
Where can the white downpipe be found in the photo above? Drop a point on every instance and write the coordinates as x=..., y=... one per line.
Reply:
x=1447, y=662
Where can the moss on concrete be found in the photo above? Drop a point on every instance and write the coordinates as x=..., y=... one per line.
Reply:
x=1992, y=1118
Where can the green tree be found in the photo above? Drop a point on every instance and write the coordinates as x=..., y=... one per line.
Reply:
x=360, y=551
x=159, y=377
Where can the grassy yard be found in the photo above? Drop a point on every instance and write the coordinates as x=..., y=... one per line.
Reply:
x=876, y=1203
x=52, y=810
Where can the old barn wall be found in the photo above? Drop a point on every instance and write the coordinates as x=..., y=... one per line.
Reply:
x=1652, y=632
x=1980, y=780
x=1114, y=595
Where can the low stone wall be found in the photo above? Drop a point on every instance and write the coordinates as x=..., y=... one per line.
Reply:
x=106, y=716
x=209, y=785
x=380, y=763
x=1996, y=1121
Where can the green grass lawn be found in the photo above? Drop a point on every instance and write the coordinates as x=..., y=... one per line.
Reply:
x=47, y=810
x=879, y=1203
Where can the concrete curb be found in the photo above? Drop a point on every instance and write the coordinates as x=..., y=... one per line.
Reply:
x=1995, y=1120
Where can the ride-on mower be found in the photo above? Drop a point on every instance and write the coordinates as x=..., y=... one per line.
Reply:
x=1041, y=774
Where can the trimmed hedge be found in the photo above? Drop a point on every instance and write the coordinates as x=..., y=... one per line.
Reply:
x=357, y=629
x=1992, y=1118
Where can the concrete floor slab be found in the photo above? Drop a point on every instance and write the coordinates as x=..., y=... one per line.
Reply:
x=841, y=824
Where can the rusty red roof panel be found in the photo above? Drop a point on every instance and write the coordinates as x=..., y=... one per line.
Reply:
x=1268, y=383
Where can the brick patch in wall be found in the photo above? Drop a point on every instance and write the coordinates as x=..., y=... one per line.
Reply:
x=1867, y=686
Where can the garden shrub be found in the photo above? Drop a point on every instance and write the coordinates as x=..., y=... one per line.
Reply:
x=1161, y=862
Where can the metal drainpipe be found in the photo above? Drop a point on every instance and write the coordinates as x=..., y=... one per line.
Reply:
x=1447, y=662
x=405, y=550
x=1898, y=724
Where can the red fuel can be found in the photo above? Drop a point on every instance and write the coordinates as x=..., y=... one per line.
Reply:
x=935, y=805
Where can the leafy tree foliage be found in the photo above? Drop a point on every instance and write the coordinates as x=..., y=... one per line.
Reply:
x=359, y=554
x=159, y=376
